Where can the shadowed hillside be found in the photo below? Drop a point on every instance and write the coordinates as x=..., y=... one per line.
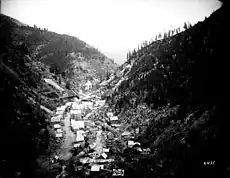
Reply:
x=175, y=92
x=28, y=56
x=24, y=125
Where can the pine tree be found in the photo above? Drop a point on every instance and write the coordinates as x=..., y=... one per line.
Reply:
x=169, y=33
x=156, y=38
x=178, y=29
x=107, y=74
x=189, y=25
x=68, y=85
x=185, y=26
x=134, y=52
x=101, y=78
x=129, y=55
x=159, y=36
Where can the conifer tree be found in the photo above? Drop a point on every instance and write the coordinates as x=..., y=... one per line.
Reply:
x=189, y=25
x=178, y=29
x=169, y=33
x=185, y=26
x=130, y=54
x=159, y=36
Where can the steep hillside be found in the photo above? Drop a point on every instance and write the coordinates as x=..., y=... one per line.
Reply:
x=66, y=55
x=175, y=92
x=27, y=101
x=31, y=61
x=24, y=131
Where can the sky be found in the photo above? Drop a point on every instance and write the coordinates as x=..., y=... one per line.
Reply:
x=112, y=26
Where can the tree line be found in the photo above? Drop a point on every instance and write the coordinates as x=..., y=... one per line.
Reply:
x=160, y=36
x=45, y=29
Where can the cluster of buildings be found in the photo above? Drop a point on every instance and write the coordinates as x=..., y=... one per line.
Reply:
x=56, y=121
x=78, y=111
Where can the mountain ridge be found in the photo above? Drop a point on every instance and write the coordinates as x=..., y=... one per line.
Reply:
x=30, y=91
x=66, y=55
x=175, y=93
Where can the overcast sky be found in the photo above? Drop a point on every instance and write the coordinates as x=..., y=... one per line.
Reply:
x=114, y=26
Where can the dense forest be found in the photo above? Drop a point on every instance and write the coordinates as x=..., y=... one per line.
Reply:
x=175, y=93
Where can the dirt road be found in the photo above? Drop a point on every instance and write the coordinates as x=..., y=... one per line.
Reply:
x=68, y=140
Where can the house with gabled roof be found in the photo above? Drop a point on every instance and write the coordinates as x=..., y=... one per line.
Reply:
x=88, y=85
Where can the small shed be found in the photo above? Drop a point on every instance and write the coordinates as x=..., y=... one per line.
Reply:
x=95, y=167
x=116, y=125
x=75, y=110
x=84, y=160
x=80, y=136
x=100, y=103
x=76, y=116
x=106, y=150
x=88, y=85
x=118, y=172
x=76, y=145
x=109, y=114
x=61, y=108
x=59, y=112
x=58, y=135
x=88, y=104
x=126, y=133
x=56, y=118
x=131, y=143
x=57, y=126
x=102, y=166
x=69, y=103
x=110, y=136
x=113, y=118
x=104, y=155
x=76, y=105
x=137, y=131
x=59, y=131
x=76, y=125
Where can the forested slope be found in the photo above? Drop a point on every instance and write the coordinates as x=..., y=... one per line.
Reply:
x=176, y=93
